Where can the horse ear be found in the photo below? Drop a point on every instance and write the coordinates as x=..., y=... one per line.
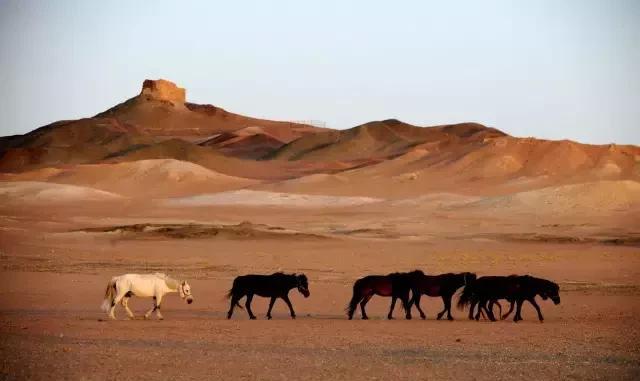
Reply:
x=184, y=282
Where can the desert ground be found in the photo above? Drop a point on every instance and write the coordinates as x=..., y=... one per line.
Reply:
x=54, y=274
x=158, y=184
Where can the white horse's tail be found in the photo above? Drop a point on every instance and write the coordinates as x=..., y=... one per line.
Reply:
x=109, y=295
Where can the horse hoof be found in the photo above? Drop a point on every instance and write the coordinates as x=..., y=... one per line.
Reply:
x=268, y=317
x=365, y=318
x=252, y=317
x=293, y=317
x=408, y=317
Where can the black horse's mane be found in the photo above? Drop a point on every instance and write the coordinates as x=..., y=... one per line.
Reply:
x=281, y=273
x=546, y=282
x=293, y=275
x=414, y=272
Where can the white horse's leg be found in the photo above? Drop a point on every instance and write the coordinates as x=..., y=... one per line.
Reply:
x=154, y=308
x=116, y=300
x=125, y=304
x=158, y=301
x=112, y=311
x=148, y=313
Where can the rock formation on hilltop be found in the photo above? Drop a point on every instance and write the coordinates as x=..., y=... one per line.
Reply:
x=161, y=110
x=163, y=90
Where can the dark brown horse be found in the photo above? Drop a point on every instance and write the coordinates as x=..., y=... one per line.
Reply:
x=516, y=289
x=395, y=285
x=486, y=292
x=444, y=285
x=272, y=286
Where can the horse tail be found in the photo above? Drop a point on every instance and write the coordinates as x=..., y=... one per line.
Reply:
x=356, y=298
x=232, y=291
x=407, y=307
x=109, y=295
x=466, y=296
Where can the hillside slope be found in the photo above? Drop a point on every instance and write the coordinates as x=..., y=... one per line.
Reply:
x=161, y=110
x=68, y=142
x=158, y=113
x=380, y=139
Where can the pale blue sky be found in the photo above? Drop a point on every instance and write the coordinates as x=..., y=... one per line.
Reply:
x=551, y=69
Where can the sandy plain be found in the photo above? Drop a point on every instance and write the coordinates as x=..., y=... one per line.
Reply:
x=54, y=272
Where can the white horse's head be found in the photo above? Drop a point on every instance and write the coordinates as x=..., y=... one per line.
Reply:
x=185, y=292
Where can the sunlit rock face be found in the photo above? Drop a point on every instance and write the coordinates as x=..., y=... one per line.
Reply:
x=163, y=90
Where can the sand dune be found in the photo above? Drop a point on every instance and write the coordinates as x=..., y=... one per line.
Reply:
x=591, y=198
x=47, y=193
x=157, y=178
x=319, y=183
x=251, y=197
x=586, y=198
x=598, y=197
x=436, y=201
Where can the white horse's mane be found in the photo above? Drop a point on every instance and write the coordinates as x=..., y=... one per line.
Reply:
x=169, y=281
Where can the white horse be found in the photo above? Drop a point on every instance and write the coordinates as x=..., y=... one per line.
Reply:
x=155, y=285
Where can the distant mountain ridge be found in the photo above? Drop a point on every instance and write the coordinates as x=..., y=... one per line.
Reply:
x=380, y=139
x=376, y=157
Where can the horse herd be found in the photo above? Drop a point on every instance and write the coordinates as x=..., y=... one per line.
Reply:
x=479, y=294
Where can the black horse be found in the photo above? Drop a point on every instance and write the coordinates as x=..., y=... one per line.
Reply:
x=485, y=292
x=395, y=285
x=515, y=289
x=275, y=286
x=444, y=285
